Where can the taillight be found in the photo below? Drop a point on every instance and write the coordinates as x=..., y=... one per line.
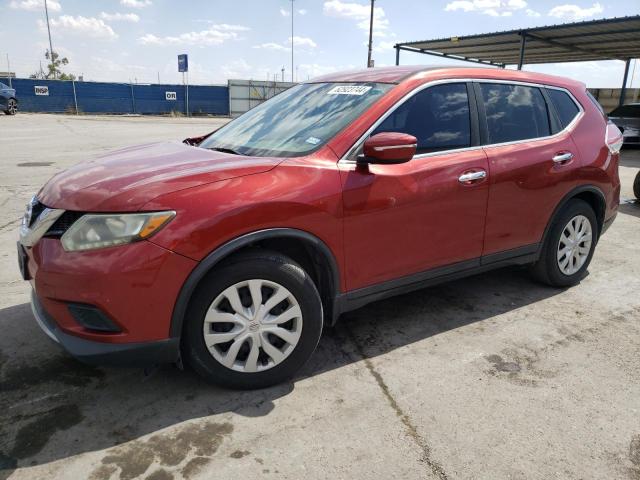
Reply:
x=613, y=138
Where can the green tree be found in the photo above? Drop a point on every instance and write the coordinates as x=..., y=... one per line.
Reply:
x=54, y=67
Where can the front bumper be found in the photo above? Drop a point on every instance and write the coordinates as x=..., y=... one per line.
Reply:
x=140, y=354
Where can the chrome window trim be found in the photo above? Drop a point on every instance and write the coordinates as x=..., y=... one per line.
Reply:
x=345, y=158
x=575, y=100
x=393, y=147
x=30, y=236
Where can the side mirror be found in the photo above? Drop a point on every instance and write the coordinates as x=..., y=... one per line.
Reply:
x=389, y=148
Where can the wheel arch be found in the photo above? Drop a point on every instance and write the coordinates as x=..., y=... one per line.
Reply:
x=590, y=194
x=302, y=246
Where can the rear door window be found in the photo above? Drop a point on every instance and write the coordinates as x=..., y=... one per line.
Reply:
x=514, y=112
x=437, y=116
x=565, y=107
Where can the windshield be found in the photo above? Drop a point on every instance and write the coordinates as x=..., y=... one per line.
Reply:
x=297, y=121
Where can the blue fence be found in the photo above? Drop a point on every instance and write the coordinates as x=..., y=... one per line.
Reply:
x=99, y=97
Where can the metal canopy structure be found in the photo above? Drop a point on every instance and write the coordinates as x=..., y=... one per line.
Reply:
x=607, y=39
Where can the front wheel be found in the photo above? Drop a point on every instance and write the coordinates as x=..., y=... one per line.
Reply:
x=12, y=106
x=253, y=321
x=569, y=246
x=636, y=186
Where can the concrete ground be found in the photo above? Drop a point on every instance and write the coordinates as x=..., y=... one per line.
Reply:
x=491, y=377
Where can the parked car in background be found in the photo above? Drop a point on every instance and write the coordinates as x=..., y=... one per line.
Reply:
x=233, y=253
x=8, y=100
x=627, y=119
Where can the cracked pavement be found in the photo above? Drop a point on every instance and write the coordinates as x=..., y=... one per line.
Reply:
x=492, y=376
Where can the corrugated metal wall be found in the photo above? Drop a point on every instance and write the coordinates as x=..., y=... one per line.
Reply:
x=99, y=97
x=609, y=98
x=246, y=94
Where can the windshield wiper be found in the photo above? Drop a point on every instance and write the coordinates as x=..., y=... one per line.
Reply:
x=225, y=150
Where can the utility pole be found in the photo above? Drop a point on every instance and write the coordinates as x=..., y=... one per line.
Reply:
x=9, y=72
x=46, y=12
x=292, y=41
x=282, y=73
x=369, y=61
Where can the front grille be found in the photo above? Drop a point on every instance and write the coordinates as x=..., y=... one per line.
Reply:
x=63, y=223
x=36, y=209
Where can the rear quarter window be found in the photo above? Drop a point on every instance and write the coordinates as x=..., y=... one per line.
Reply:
x=565, y=107
x=514, y=112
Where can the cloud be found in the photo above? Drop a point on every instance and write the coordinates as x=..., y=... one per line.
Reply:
x=287, y=13
x=531, y=13
x=135, y=3
x=494, y=8
x=299, y=42
x=241, y=69
x=360, y=13
x=89, y=26
x=35, y=5
x=120, y=17
x=271, y=46
x=574, y=12
x=216, y=34
x=383, y=47
x=303, y=42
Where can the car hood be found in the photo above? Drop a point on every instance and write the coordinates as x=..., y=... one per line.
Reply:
x=126, y=179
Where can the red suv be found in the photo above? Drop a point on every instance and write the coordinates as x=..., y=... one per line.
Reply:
x=233, y=250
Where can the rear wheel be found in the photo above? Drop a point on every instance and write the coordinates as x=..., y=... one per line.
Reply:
x=636, y=186
x=569, y=246
x=253, y=322
x=12, y=106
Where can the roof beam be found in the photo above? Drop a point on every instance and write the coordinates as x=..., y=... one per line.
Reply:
x=629, y=19
x=571, y=47
x=452, y=57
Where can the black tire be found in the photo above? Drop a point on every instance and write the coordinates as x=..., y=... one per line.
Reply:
x=636, y=186
x=12, y=106
x=546, y=269
x=258, y=264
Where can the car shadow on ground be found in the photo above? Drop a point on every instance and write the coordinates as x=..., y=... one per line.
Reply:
x=630, y=207
x=45, y=392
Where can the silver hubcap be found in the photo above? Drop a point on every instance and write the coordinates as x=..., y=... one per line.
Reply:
x=13, y=106
x=574, y=245
x=253, y=325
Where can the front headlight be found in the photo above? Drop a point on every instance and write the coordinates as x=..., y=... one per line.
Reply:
x=106, y=230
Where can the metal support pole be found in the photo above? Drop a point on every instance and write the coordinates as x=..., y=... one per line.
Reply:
x=133, y=98
x=623, y=92
x=523, y=42
x=75, y=99
x=53, y=67
x=292, y=71
x=370, y=36
x=397, y=47
x=9, y=71
x=187, y=94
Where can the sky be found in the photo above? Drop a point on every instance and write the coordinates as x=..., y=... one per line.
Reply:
x=139, y=40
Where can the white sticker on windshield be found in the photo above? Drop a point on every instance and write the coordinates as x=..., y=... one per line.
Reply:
x=349, y=90
x=313, y=140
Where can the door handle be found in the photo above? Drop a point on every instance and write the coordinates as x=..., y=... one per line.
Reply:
x=563, y=158
x=472, y=176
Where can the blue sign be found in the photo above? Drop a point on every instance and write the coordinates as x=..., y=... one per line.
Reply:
x=183, y=63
